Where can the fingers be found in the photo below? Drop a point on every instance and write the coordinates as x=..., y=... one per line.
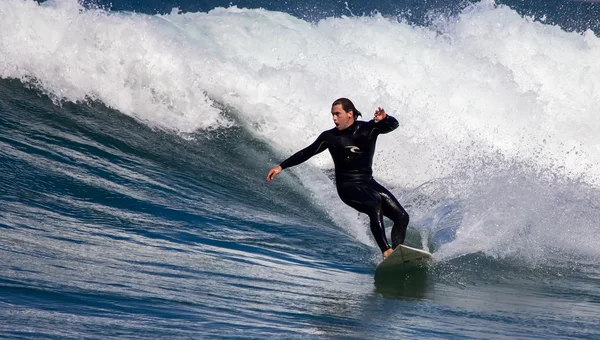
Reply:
x=272, y=173
x=379, y=114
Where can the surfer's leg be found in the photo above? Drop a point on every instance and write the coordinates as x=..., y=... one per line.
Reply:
x=394, y=211
x=368, y=202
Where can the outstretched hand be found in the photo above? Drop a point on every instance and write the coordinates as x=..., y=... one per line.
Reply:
x=273, y=172
x=379, y=114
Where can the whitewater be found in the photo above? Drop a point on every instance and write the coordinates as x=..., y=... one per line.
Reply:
x=496, y=157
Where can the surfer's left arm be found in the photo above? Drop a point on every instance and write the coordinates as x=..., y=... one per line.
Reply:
x=384, y=122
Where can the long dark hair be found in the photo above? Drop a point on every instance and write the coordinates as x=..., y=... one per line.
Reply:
x=348, y=106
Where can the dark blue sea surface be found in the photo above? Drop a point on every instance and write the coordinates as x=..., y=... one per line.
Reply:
x=569, y=14
x=135, y=137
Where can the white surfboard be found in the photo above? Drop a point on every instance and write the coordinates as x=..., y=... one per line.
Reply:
x=404, y=257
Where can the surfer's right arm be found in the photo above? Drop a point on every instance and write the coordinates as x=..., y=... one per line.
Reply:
x=301, y=156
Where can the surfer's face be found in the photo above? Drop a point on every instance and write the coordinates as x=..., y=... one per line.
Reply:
x=341, y=118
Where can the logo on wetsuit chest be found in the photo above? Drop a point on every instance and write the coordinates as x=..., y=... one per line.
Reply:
x=354, y=149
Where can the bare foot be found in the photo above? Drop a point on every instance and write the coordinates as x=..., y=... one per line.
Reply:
x=387, y=253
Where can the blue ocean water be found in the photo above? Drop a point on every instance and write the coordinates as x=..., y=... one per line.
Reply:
x=135, y=138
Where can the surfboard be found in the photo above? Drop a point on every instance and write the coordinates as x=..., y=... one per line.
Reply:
x=404, y=257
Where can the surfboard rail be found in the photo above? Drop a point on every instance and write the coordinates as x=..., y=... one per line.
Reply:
x=405, y=257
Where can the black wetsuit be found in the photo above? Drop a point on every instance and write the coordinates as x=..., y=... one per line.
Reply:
x=352, y=151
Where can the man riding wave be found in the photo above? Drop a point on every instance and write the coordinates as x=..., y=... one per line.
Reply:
x=351, y=144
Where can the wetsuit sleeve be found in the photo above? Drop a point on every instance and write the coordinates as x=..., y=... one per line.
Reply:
x=303, y=155
x=388, y=124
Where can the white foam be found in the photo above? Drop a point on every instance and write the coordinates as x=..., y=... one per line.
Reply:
x=488, y=82
x=511, y=214
x=122, y=60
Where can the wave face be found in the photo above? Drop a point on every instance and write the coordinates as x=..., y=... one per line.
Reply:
x=134, y=147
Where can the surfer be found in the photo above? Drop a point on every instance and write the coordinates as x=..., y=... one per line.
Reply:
x=352, y=145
